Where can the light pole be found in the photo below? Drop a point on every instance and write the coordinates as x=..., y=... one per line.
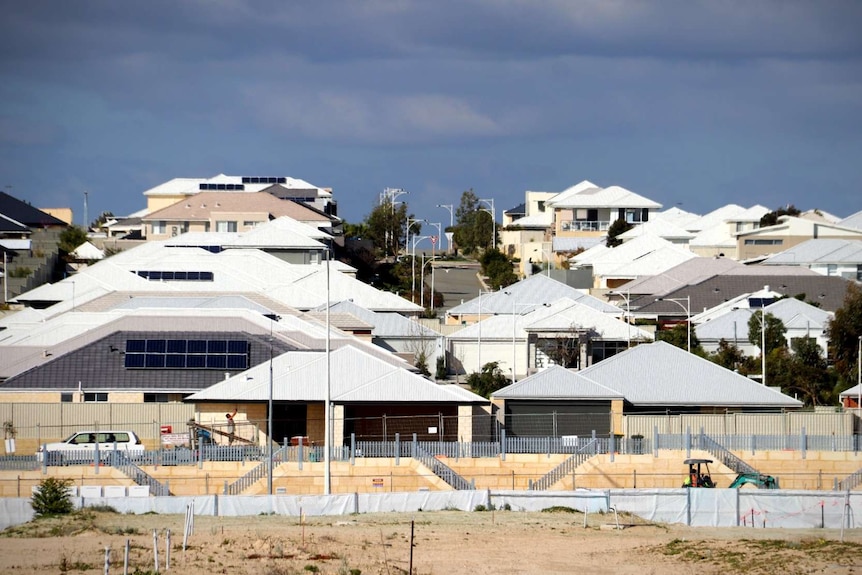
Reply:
x=422, y=281
x=859, y=375
x=490, y=202
x=416, y=240
x=451, y=208
x=389, y=195
x=479, y=338
x=272, y=318
x=407, y=227
x=687, y=308
x=761, y=319
x=628, y=318
x=515, y=316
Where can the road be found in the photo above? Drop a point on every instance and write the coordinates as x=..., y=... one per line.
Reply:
x=457, y=281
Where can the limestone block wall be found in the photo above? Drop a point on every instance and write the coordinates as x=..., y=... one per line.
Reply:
x=21, y=483
x=515, y=472
x=818, y=470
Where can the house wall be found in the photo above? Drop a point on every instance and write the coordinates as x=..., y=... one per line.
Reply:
x=155, y=203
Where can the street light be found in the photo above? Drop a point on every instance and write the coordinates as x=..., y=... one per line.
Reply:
x=628, y=318
x=451, y=208
x=416, y=240
x=479, y=338
x=515, y=316
x=389, y=195
x=761, y=319
x=490, y=202
x=687, y=308
x=272, y=318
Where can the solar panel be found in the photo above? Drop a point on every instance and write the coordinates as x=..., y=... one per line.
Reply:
x=237, y=346
x=187, y=354
x=136, y=345
x=176, y=346
x=197, y=346
x=217, y=346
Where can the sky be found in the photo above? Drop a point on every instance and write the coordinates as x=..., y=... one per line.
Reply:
x=693, y=104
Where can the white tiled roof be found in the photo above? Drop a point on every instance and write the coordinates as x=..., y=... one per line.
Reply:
x=556, y=382
x=827, y=251
x=537, y=288
x=234, y=271
x=355, y=376
x=593, y=197
x=659, y=374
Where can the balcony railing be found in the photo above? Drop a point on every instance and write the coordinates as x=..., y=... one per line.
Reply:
x=584, y=226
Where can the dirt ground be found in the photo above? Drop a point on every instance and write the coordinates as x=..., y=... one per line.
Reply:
x=498, y=542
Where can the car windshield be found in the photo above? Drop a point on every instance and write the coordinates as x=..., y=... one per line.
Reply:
x=69, y=439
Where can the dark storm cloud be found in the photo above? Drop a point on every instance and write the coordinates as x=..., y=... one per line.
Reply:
x=507, y=95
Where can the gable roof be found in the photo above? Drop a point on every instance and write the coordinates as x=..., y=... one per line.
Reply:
x=385, y=324
x=249, y=271
x=659, y=374
x=355, y=376
x=537, y=288
x=827, y=291
x=202, y=206
x=794, y=314
x=24, y=214
x=852, y=221
x=556, y=382
x=825, y=251
x=586, y=195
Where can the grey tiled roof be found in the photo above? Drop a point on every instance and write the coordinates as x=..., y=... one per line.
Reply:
x=98, y=368
x=828, y=292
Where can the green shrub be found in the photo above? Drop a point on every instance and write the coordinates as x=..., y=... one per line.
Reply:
x=20, y=272
x=52, y=497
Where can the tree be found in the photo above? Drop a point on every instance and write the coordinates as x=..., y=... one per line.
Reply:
x=802, y=371
x=775, y=332
x=844, y=331
x=475, y=227
x=771, y=218
x=385, y=227
x=729, y=356
x=355, y=230
x=497, y=268
x=677, y=336
x=71, y=238
x=101, y=220
x=52, y=497
x=619, y=226
x=490, y=380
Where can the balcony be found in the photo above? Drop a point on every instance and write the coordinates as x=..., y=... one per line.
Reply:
x=584, y=226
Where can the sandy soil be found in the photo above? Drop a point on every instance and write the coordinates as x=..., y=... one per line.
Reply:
x=445, y=542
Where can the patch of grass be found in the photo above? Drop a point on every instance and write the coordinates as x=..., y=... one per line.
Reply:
x=559, y=509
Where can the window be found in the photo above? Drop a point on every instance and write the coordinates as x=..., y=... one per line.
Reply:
x=96, y=397
x=160, y=227
x=225, y=226
x=250, y=223
x=831, y=269
x=764, y=242
x=156, y=398
x=633, y=215
x=859, y=272
x=66, y=398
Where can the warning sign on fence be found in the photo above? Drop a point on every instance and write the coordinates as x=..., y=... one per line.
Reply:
x=377, y=482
